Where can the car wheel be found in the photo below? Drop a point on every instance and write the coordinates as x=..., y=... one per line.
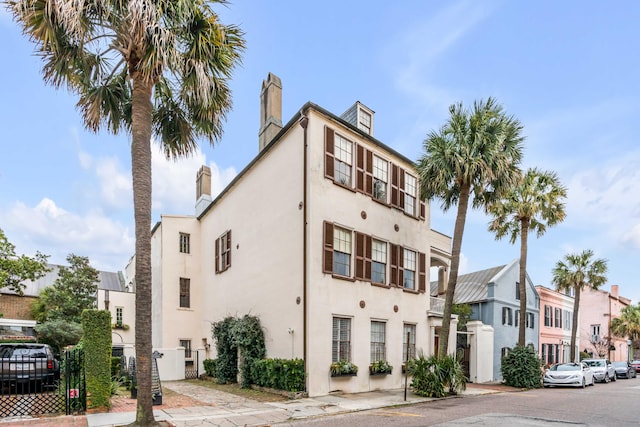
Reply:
x=584, y=383
x=614, y=377
x=593, y=381
x=606, y=378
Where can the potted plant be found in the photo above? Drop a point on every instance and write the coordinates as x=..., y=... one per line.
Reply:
x=380, y=367
x=343, y=369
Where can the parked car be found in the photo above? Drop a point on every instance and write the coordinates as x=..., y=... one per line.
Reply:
x=22, y=363
x=636, y=364
x=624, y=370
x=568, y=374
x=603, y=370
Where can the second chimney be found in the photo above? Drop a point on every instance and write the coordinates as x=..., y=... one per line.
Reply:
x=270, y=110
x=203, y=189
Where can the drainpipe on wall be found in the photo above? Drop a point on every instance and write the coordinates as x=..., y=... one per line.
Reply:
x=304, y=121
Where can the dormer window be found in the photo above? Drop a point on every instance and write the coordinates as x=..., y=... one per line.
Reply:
x=364, y=121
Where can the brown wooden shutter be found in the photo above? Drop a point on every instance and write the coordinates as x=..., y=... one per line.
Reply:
x=228, y=250
x=367, y=258
x=360, y=251
x=329, y=152
x=360, y=167
x=327, y=262
x=393, y=278
x=394, y=186
x=422, y=272
x=400, y=266
x=423, y=209
x=401, y=188
x=368, y=176
x=217, y=256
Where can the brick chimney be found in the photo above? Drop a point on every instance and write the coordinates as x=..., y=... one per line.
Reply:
x=270, y=110
x=614, y=291
x=203, y=189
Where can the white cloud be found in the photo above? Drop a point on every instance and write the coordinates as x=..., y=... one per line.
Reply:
x=54, y=231
x=174, y=182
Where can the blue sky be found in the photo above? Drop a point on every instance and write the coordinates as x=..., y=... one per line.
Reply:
x=568, y=70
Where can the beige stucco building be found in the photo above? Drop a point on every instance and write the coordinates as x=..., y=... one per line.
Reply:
x=323, y=236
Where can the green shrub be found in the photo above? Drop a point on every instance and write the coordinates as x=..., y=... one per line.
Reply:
x=432, y=376
x=380, y=367
x=226, y=367
x=96, y=340
x=521, y=368
x=281, y=374
x=343, y=368
x=210, y=367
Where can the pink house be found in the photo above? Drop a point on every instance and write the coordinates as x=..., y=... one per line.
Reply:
x=556, y=317
x=597, y=309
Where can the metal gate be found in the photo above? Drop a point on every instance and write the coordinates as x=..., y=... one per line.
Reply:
x=22, y=393
x=191, y=367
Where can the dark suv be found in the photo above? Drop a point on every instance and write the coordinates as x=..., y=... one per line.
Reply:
x=28, y=362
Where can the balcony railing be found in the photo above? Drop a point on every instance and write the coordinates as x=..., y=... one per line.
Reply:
x=436, y=305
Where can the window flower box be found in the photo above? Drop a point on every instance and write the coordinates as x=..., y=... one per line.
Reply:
x=379, y=368
x=343, y=369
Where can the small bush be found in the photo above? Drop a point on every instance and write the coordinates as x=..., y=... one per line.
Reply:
x=210, y=367
x=521, y=368
x=380, y=367
x=343, y=368
x=432, y=376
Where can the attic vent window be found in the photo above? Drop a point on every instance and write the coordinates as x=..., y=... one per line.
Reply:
x=364, y=121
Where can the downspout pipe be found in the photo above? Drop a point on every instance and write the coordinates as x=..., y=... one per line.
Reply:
x=304, y=122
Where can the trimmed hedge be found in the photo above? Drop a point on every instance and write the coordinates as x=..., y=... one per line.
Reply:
x=281, y=374
x=521, y=368
x=96, y=341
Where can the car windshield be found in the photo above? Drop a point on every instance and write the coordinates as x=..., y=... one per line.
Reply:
x=22, y=351
x=566, y=367
x=599, y=363
x=620, y=364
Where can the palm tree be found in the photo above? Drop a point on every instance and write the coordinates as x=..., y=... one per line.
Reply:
x=147, y=68
x=576, y=273
x=628, y=324
x=535, y=203
x=475, y=154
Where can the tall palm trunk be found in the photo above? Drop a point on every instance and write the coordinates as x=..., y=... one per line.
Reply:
x=524, y=235
x=141, y=174
x=458, y=231
x=574, y=326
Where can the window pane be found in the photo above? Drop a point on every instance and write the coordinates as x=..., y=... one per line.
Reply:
x=380, y=174
x=341, y=340
x=409, y=269
x=411, y=331
x=377, y=341
x=409, y=194
x=343, y=158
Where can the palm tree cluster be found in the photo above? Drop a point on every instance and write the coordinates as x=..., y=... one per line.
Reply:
x=475, y=159
x=147, y=68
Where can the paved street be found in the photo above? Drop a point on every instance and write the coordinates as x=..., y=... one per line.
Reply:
x=613, y=404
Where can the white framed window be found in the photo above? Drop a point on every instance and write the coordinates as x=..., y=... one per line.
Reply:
x=506, y=316
x=342, y=240
x=341, y=341
x=408, y=332
x=516, y=318
x=187, y=348
x=531, y=318
x=557, y=317
x=364, y=121
x=547, y=316
x=119, y=311
x=410, y=194
x=409, y=272
x=568, y=318
x=378, y=261
x=595, y=333
x=378, y=341
x=185, y=243
x=380, y=178
x=504, y=352
x=185, y=292
x=343, y=160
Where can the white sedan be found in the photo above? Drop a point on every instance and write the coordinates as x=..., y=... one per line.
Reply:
x=568, y=374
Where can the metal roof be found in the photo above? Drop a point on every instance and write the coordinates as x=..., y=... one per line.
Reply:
x=106, y=280
x=472, y=287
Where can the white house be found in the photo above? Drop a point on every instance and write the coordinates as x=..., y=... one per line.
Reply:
x=323, y=236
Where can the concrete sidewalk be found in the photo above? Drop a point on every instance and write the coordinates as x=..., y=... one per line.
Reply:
x=231, y=410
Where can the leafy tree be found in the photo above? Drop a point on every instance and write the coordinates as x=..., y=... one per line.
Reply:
x=73, y=291
x=475, y=155
x=628, y=324
x=59, y=333
x=464, y=314
x=533, y=204
x=142, y=67
x=14, y=270
x=576, y=273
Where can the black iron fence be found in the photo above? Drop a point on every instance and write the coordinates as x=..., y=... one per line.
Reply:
x=39, y=386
